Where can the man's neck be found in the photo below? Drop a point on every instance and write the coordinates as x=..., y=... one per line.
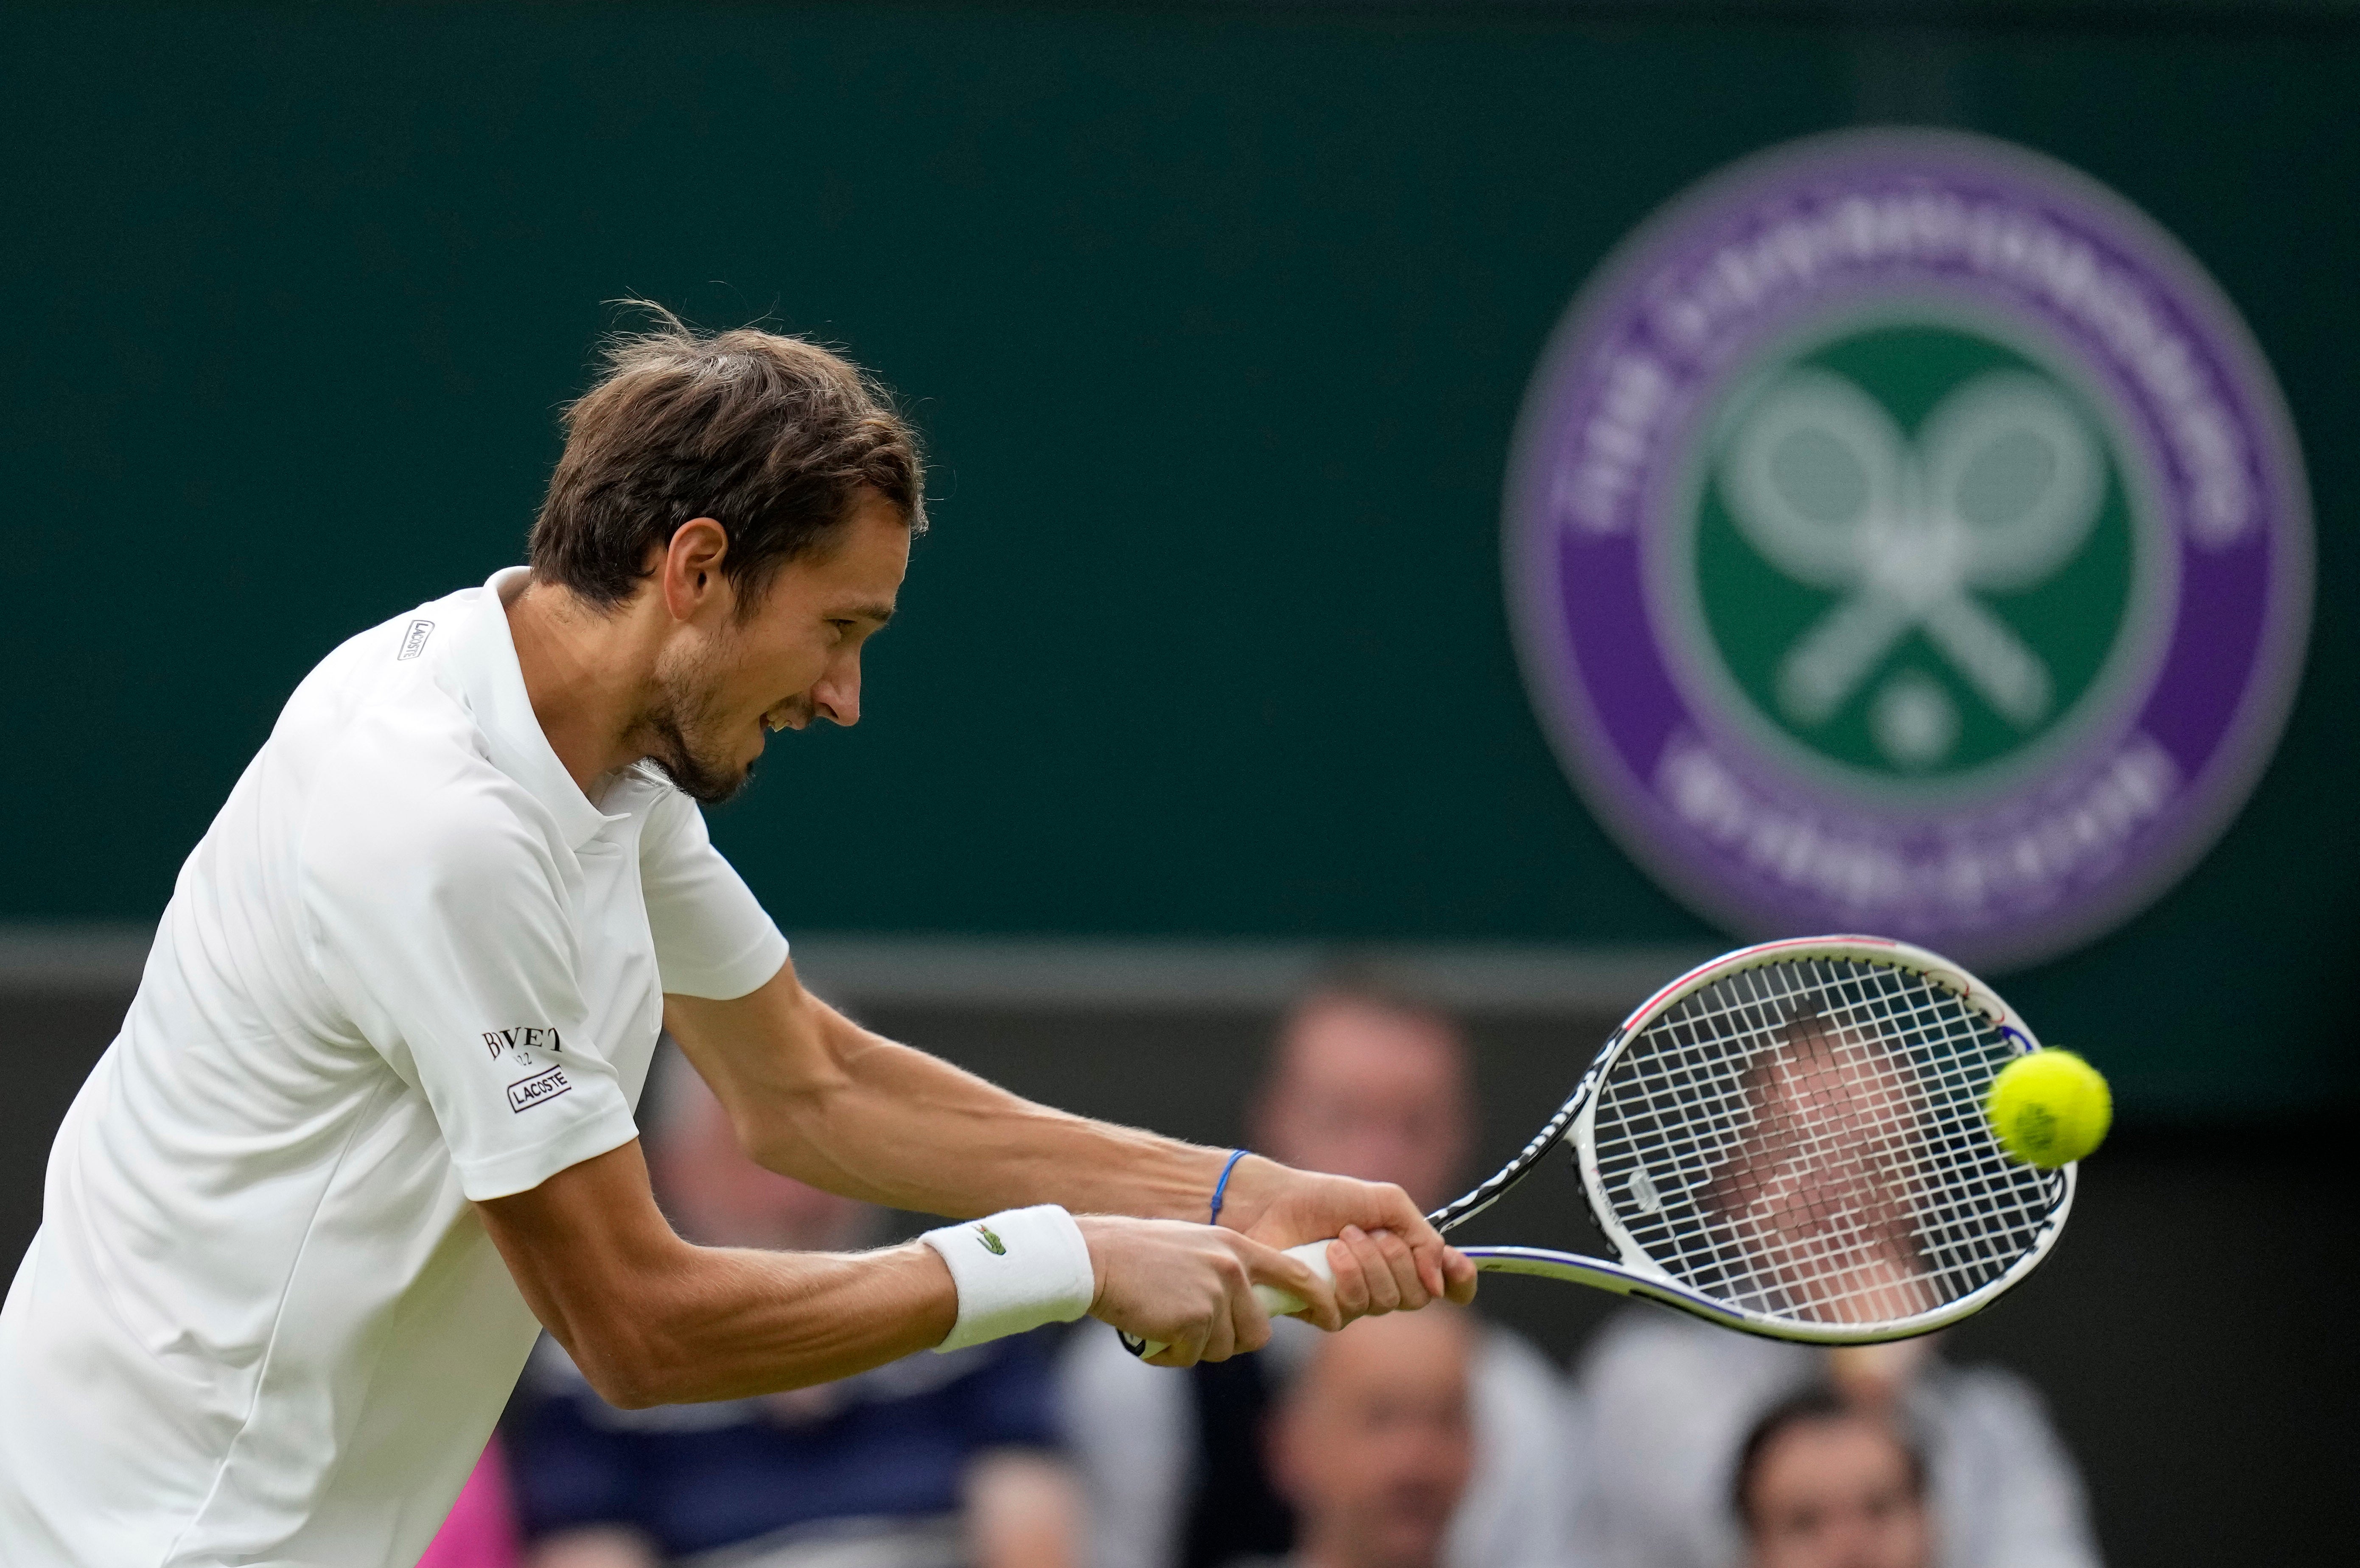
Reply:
x=586, y=674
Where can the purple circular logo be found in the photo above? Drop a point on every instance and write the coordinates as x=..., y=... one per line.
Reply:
x=1905, y=535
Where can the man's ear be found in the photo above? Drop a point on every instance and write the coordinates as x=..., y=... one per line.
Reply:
x=689, y=572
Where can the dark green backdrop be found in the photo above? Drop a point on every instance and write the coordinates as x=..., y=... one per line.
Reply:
x=1218, y=319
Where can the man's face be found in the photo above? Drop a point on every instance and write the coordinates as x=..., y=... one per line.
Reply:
x=1837, y=1494
x=1366, y=1091
x=1374, y=1445
x=718, y=689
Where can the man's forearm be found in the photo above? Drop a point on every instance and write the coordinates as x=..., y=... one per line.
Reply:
x=746, y=1323
x=857, y=1113
x=652, y=1320
x=912, y=1130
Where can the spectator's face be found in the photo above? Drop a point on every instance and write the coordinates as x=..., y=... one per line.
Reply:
x=1371, y=1442
x=1837, y=1494
x=1368, y=1092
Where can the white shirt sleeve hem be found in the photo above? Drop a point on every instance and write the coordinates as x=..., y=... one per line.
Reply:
x=521, y=1169
x=741, y=975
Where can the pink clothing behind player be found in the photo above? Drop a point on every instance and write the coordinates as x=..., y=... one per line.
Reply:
x=481, y=1531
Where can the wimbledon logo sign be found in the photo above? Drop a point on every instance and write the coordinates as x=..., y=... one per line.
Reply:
x=1903, y=535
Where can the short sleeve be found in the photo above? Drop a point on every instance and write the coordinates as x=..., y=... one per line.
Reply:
x=711, y=938
x=440, y=924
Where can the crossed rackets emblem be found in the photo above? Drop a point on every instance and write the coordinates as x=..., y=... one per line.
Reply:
x=1999, y=490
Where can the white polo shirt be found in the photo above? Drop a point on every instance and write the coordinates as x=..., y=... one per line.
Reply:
x=408, y=965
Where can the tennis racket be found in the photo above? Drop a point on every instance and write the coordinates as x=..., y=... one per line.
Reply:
x=1790, y=1140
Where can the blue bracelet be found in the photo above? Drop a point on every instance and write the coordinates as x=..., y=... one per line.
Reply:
x=1221, y=1187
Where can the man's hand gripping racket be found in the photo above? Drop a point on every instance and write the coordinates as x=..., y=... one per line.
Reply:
x=1791, y=1141
x=1402, y=1265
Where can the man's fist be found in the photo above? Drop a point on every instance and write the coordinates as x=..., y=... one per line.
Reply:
x=1387, y=1258
x=1190, y=1287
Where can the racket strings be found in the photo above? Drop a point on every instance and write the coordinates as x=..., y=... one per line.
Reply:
x=1806, y=1138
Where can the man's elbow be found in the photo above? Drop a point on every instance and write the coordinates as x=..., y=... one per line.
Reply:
x=628, y=1371
x=627, y=1391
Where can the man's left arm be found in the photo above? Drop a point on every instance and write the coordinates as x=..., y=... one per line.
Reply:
x=814, y=1097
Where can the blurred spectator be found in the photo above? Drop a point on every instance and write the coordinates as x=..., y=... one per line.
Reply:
x=1670, y=1400
x=932, y=1462
x=1823, y=1482
x=1372, y=1441
x=1369, y=1085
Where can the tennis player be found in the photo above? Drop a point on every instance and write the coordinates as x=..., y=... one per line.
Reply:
x=368, y=1125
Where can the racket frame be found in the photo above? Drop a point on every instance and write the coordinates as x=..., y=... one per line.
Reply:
x=1633, y=1273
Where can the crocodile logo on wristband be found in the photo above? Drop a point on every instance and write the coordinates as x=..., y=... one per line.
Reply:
x=991, y=1242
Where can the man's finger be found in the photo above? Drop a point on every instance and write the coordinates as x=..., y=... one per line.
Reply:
x=1244, y=1327
x=1375, y=1269
x=1295, y=1276
x=1243, y=1323
x=1409, y=1290
x=1317, y=1290
x=1351, y=1278
x=1429, y=1268
x=1220, y=1336
x=1459, y=1271
x=1407, y=1221
x=1180, y=1353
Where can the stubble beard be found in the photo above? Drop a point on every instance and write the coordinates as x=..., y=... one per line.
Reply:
x=683, y=725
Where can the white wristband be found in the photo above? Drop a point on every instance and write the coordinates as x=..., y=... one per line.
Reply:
x=1015, y=1270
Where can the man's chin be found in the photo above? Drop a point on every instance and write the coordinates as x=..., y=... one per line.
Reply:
x=704, y=782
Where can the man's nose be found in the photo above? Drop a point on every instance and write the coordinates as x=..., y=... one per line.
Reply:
x=836, y=698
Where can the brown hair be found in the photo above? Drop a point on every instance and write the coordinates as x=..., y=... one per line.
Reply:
x=772, y=437
x=1814, y=1404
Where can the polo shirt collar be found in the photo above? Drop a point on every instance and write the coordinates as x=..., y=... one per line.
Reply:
x=484, y=657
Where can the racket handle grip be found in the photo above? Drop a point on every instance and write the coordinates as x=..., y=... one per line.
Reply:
x=1312, y=1254
x=1278, y=1303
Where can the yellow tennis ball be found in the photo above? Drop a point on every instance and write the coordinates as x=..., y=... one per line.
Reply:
x=2050, y=1108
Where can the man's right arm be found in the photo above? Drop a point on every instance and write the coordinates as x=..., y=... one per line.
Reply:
x=652, y=1320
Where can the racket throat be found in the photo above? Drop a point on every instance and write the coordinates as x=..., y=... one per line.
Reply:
x=1648, y=1284
x=1645, y=1283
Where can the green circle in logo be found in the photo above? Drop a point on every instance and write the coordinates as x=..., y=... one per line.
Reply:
x=1915, y=551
